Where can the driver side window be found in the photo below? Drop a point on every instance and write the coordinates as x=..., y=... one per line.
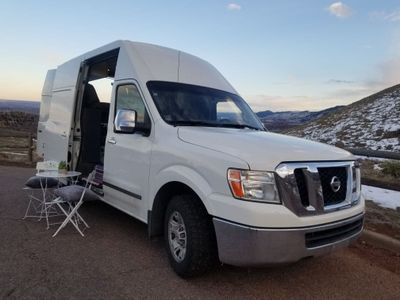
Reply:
x=128, y=97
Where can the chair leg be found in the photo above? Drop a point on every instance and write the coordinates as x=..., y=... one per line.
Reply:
x=83, y=221
x=27, y=209
x=47, y=216
x=33, y=211
x=76, y=226
x=47, y=207
x=69, y=219
x=42, y=210
x=64, y=222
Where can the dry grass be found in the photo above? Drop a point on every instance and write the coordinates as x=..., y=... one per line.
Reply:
x=372, y=170
x=391, y=168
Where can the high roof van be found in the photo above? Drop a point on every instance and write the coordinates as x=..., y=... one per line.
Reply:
x=185, y=154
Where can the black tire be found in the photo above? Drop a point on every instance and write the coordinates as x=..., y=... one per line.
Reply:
x=201, y=250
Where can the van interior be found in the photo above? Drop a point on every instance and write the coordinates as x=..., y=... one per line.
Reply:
x=92, y=111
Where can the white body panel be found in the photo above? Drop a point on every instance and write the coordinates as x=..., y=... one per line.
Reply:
x=127, y=166
x=202, y=169
x=58, y=126
x=197, y=157
x=202, y=165
x=262, y=150
x=45, y=103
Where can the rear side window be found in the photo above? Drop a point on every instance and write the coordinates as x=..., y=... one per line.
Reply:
x=128, y=97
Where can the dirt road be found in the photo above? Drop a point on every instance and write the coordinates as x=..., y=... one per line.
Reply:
x=116, y=260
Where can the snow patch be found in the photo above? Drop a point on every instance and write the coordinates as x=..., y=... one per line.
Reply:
x=382, y=197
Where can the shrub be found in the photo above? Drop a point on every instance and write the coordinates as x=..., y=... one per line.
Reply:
x=391, y=168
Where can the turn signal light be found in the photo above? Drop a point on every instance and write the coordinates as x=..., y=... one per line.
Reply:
x=235, y=182
x=253, y=185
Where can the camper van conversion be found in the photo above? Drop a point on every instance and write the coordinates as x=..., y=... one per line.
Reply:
x=184, y=153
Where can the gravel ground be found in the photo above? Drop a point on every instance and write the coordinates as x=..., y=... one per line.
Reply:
x=116, y=260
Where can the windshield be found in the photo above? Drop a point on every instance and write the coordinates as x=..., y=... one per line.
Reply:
x=189, y=105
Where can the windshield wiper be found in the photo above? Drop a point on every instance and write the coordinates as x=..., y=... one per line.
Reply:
x=211, y=124
x=194, y=123
x=230, y=125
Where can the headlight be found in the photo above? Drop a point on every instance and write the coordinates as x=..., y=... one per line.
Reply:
x=253, y=185
x=356, y=182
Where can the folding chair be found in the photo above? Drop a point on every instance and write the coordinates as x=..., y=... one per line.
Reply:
x=35, y=184
x=74, y=196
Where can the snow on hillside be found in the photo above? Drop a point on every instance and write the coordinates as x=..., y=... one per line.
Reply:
x=373, y=122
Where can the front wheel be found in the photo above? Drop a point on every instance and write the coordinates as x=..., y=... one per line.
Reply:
x=189, y=236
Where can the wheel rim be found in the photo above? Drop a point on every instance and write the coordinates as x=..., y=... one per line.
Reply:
x=177, y=237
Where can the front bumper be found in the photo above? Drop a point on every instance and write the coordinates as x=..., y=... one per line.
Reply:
x=241, y=245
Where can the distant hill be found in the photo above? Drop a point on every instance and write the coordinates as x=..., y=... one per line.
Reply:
x=372, y=122
x=19, y=105
x=278, y=121
x=21, y=116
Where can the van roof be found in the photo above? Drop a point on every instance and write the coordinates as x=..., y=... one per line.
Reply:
x=145, y=62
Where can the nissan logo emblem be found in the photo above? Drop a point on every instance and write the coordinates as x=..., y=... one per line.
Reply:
x=335, y=184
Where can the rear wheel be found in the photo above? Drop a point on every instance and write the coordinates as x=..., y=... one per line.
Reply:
x=189, y=236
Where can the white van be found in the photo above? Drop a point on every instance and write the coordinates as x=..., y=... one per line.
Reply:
x=184, y=153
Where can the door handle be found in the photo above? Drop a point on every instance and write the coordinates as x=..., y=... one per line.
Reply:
x=111, y=141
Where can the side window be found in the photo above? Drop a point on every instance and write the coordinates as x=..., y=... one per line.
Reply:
x=227, y=112
x=128, y=97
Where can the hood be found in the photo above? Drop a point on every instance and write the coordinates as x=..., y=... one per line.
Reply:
x=261, y=150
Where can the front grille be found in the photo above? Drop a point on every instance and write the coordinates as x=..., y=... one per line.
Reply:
x=305, y=187
x=302, y=186
x=330, y=196
x=329, y=236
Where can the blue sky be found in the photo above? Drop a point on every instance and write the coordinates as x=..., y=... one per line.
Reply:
x=279, y=55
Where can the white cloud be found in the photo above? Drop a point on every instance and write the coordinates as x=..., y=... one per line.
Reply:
x=233, y=6
x=330, y=98
x=338, y=91
x=282, y=103
x=393, y=16
x=339, y=81
x=340, y=10
x=385, y=74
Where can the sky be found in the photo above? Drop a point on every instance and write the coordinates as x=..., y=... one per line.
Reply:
x=279, y=55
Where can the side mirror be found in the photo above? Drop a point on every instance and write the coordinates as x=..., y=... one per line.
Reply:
x=125, y=121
